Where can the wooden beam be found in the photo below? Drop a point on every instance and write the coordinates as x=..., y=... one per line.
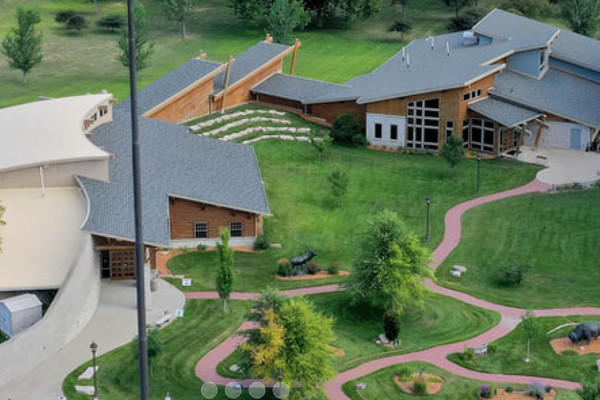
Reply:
x=297, y=46
x=227, y=77
x=109, y=247
x=538, y=139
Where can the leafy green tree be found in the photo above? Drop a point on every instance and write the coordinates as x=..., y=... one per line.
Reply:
x=402, y=27
x=582, y=15
x=347, y=128
x=458, y=4
x=391, y=265
x=320, y=143
x=2, y=222
x=22, y=46
x=270, y=299
x=590, y=389
x=467, y=18
x=293, y=345
x=285, y=17
x=76, y=23
x=179, y=11
x=144, y=46
x=339, y=184
x=225, y=276
x=112, y=22
x=454, y=151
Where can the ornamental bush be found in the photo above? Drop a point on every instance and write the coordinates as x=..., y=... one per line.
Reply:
x=485, y=392
x=347, y=129
x=510, y=275
x=420, y=386
x=334, y=268
x=313, y=268
x=262, y=242
x=284, y=267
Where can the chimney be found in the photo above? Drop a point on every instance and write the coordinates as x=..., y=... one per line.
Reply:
x=408, y=60
x=432, y=42
x=269, y=38
x=403, y=53
x=448, y=48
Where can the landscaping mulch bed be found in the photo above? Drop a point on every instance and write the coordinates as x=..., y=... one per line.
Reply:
x=435, y=383
x=504, y=395
x=560, y=345
x=318, y=275
x=339, y=352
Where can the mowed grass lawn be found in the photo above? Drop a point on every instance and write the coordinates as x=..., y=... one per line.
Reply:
x=544, y=362
x=381, y=385
x=305, y=214
x=555, y=236
x=442, y=320
x=184, y=342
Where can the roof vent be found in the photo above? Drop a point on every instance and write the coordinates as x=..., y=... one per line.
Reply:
x=470, y=39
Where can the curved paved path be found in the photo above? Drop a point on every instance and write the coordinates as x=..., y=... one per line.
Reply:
x=206, y=369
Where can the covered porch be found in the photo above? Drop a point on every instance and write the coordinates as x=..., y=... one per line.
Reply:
x=117, y=258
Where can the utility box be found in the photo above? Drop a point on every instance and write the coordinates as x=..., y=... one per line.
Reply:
x=19, y=313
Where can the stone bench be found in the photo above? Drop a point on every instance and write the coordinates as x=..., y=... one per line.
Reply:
x=88, y=373
x=162, y=321
x=481, y=351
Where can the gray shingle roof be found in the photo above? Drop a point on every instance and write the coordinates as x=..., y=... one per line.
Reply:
x=558, y=93
x=176, y=163
x=577, y=49
x=509, y=115
x=431, y=69
x=249, y=61
x=173, y=83
x=521, y=32
x=296, y=88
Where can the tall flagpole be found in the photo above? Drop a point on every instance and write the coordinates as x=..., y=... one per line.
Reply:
x=137, y=205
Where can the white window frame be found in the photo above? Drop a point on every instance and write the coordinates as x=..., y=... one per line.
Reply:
x=416, y=122
x=240, y=229
x=197, y=230
x=480, y=123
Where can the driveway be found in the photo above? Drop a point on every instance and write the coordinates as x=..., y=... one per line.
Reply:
x=563, y=166
x=113, y=325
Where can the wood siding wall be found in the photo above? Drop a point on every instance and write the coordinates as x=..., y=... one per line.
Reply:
x=193, y=104
x=279, y=101
x=185, y=213
x=330, y=111
x=242, y=92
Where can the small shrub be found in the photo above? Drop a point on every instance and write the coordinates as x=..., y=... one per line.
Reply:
x=391, y=325
x=536, y=390
x=201, y=247
x=485, y=392
x=510, y=275
x=76, y=23
x=262, y=242
x=334, y=268
x=284, y=267
x=346, y=129
x=403, y=372
x=492, y=348
x=359, y=140
x=509, y=389
x=313, y=268
x=420, y=386
x=578, y=186
x=468, y=355
x=112, y=22
x=63, y=16
x=548, y=388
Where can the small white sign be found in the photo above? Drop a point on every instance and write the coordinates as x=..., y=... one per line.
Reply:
x=186, y=282
x=179, y=313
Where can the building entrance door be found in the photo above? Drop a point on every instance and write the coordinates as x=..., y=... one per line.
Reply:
x=122, y=264
x=575, y=139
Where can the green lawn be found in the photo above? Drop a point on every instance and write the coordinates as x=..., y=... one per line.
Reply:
x=512, y=349
x=554, y=236
x=381, y=385
x=442, y=320
x=185, y=341
x=78, y=64
x=305, y=212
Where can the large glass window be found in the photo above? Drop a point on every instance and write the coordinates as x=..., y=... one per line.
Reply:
x=449, y=129
x=423, y=125
x=378, y=129
x=482, y=135
x=393, y=132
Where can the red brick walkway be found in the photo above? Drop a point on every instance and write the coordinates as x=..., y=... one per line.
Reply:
x=206, y=369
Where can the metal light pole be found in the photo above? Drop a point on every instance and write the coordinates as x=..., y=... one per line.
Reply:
x=137, y=205
x=94, y=347
x=478, y=175
x=428, y=201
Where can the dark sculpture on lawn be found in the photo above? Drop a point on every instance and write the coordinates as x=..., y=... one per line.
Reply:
x=299, y=263
x=586, y=331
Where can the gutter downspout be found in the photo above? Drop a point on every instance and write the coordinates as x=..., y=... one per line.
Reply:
x=42, y=180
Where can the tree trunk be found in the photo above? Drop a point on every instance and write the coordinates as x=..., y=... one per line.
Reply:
x=24, y=77
x=403, y=14
x=183, y=33
x=225, y=304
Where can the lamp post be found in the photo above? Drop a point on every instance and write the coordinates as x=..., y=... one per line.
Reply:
x=428, y=201
x=478, y=175
x=94, y=348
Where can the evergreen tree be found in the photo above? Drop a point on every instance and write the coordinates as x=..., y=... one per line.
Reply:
x=144, y=46
x=226, y=260
x=22, y=46
x=339, y=184
x=582, y=15
x=454, y=151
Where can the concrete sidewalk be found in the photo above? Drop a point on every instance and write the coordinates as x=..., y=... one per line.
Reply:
x=563, y=166
x=113, y=325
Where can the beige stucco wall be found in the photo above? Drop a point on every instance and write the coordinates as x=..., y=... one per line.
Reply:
x=55, y=175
